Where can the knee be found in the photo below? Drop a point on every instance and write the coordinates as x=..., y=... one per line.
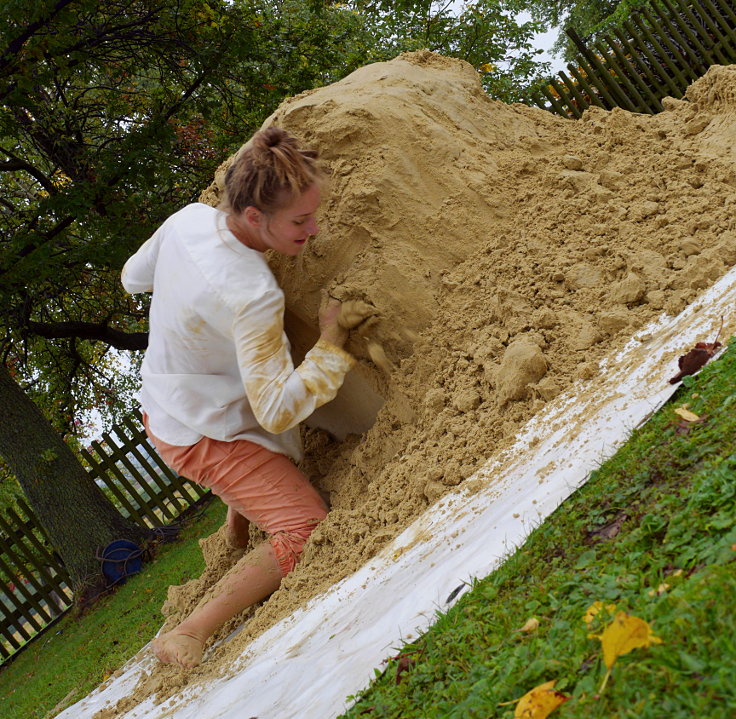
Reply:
x=288, y=546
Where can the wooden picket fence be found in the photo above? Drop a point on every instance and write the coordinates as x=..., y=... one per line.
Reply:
x=657, y=51
x=34, y=586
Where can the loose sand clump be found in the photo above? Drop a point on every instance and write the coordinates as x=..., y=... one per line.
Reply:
x=503, y=251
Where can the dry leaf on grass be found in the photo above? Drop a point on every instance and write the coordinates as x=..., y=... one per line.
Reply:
x=609, y=531
x=661, y=589
x=686, y=414
x=540, y=702
x=623, y=634
x=697, y=357
x=531, y=625
x=595, y=608
x=405, y=661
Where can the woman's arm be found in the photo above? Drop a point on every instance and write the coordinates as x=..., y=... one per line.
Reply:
x=280, y=395
x=138, y=272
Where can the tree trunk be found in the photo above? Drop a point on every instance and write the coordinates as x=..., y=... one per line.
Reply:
x=76, y=515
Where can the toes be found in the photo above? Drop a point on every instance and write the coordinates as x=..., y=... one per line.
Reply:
x=178, y=649
x=161, y=650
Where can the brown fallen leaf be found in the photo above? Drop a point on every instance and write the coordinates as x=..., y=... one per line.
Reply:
x=540, y=702
x=692, y=361
x=405, y=663
x=609, y=531
x=406, y=660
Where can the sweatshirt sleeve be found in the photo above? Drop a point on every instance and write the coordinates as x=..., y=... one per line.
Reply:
x=139, y=270
x=280, y=395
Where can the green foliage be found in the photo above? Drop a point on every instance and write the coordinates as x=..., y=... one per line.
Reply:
x=487, y=34
x=672, y=564
x=587, y=18
x=10, y=490
x=112, y=116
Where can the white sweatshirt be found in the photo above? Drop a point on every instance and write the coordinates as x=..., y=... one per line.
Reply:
x=218, y=362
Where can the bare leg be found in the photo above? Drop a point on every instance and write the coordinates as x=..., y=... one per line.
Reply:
x=238, y=529
x=253, y=578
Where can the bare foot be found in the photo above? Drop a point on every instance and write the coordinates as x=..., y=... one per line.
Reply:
x=177, y=648
x=237, y=530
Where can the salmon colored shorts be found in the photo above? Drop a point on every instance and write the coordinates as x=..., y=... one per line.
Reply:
x=264, y=487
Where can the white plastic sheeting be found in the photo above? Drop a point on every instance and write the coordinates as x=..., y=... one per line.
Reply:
x=306, y=665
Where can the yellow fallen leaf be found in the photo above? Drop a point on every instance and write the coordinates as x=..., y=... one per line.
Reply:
x=540, y=702
x=623, y=634
x=686, y=414
x=661, y=589
x=596, y=607
x=531, y=625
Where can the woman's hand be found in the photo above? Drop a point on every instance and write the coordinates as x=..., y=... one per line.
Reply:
x=329, y=326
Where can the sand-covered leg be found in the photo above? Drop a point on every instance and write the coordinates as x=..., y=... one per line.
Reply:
x=237, y=532
x=253, y=578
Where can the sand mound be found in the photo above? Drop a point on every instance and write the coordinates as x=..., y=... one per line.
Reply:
x=505, y=251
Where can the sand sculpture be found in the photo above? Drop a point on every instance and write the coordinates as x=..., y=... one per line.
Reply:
x=495, y=253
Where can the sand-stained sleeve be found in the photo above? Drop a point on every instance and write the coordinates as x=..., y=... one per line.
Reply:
x=280, y=395
x=139, y=270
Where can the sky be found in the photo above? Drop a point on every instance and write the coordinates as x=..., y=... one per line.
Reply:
x=544, y=41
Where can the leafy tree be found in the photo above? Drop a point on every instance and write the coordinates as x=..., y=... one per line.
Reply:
x=486, y=33
x=111, y=118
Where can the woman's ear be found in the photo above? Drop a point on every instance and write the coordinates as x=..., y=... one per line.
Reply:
x=253, y=216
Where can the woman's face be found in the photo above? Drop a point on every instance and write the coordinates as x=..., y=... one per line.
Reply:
x=287, y=230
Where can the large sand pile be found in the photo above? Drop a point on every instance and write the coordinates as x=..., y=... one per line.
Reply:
x=505, y=250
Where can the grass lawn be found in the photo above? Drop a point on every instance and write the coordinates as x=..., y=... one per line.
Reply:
x=652, y=535
x=75, y=655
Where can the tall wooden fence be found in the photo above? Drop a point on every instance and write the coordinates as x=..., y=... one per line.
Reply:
x=34, y=586
x=658, y=51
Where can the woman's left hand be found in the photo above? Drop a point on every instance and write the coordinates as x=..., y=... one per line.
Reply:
x=329, y=326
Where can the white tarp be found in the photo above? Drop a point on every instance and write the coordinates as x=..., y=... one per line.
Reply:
x=306, y=665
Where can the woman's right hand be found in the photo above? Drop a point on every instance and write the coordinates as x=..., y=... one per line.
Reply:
x=329, y=326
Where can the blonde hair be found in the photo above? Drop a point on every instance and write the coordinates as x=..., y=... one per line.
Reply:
x=269, y=173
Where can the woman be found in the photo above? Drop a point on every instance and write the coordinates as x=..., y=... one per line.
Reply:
x=221, y=398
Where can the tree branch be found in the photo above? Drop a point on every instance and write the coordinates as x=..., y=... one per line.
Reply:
x=16, y=163
x=15, y=46
x=91, y=331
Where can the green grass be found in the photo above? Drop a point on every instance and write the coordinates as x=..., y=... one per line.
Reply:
x=75, y=655
x=672, y=488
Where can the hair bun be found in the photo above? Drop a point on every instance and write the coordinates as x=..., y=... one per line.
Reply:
x=271, y=136
x=270, y=170
x=274, y=138
x=266, y=145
